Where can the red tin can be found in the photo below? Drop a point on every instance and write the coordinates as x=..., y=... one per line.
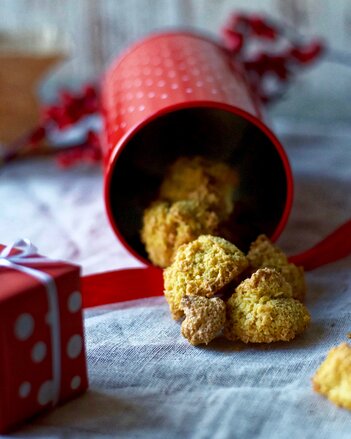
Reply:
x=180, y=93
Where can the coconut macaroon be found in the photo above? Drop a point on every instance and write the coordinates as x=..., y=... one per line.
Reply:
x=264, y=254
x=167, y=226
x=201, y=268
x=198, y=178
x=333, y=377
x=262, y=310
x=204, y=318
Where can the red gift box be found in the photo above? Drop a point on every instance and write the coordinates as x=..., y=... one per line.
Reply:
x=42, y=354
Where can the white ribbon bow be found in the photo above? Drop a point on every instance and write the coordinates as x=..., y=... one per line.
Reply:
x=28, y=255
x=26, y=249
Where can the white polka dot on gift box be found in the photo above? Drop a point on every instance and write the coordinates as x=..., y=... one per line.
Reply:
x=73, y=358
x=45, y=393
x=74, y=302
x=24, y=326
x=36, y=384
x=28, y=351
x=39, y=352
x=75, y=382
x=74, y=346
x=24, y=389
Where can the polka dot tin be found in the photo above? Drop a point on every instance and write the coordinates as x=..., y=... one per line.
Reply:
x=175, y=94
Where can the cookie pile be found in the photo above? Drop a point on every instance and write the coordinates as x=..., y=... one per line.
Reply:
x=261, y=307
x=213, y=287
x=195, y=198
x=209, y=282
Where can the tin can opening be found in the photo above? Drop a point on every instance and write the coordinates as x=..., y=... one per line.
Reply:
x=218, y=134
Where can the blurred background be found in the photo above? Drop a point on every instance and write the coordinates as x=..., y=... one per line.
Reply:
x=90, y=33
x=72, y=42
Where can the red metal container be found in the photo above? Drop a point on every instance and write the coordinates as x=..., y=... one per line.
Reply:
x=176, y=94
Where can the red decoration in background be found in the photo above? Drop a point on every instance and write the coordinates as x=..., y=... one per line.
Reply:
x=307, y=53
x=241, y=27
x=71, y=108
x=240, y=32
x=88, y=151
x=243, y=30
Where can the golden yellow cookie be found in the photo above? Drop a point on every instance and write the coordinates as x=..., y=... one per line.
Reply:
x=198, y=178
x=333, y=378
x=201, y=267
x=167, y=226
x=204, y=318
x=264, y=254
x=262, y=310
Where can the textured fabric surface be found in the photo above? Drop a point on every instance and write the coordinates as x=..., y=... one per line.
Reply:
x=146, y=380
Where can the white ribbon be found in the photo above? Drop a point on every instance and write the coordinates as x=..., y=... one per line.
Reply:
x=28, y=255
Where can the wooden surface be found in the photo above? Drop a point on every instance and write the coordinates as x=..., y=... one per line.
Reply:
x=19, y=106
x=97, y=31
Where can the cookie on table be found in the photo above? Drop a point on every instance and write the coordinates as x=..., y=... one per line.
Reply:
x=264, y=254
x=167, y=226
x=262, y=310
x=210, y=182
x=333, y=377
x=202, y=268
x=204, y=318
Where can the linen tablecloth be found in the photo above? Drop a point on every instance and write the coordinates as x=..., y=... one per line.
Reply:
x=146, y=380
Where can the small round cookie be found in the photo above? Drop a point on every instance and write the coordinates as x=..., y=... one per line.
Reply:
x=333, y=377
x=262, y=310
x=204, y=318
x=201, y=267
x=210, y=182
x=264, y=254
x=167, y=226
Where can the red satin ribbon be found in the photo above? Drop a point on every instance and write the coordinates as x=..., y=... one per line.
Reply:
x=121, y=285
x=138, y=283
x=335, y=246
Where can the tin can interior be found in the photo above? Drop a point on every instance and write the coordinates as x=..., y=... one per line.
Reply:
x=214, y=133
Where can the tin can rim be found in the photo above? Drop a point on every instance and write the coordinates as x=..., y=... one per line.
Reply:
x=121, y=144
